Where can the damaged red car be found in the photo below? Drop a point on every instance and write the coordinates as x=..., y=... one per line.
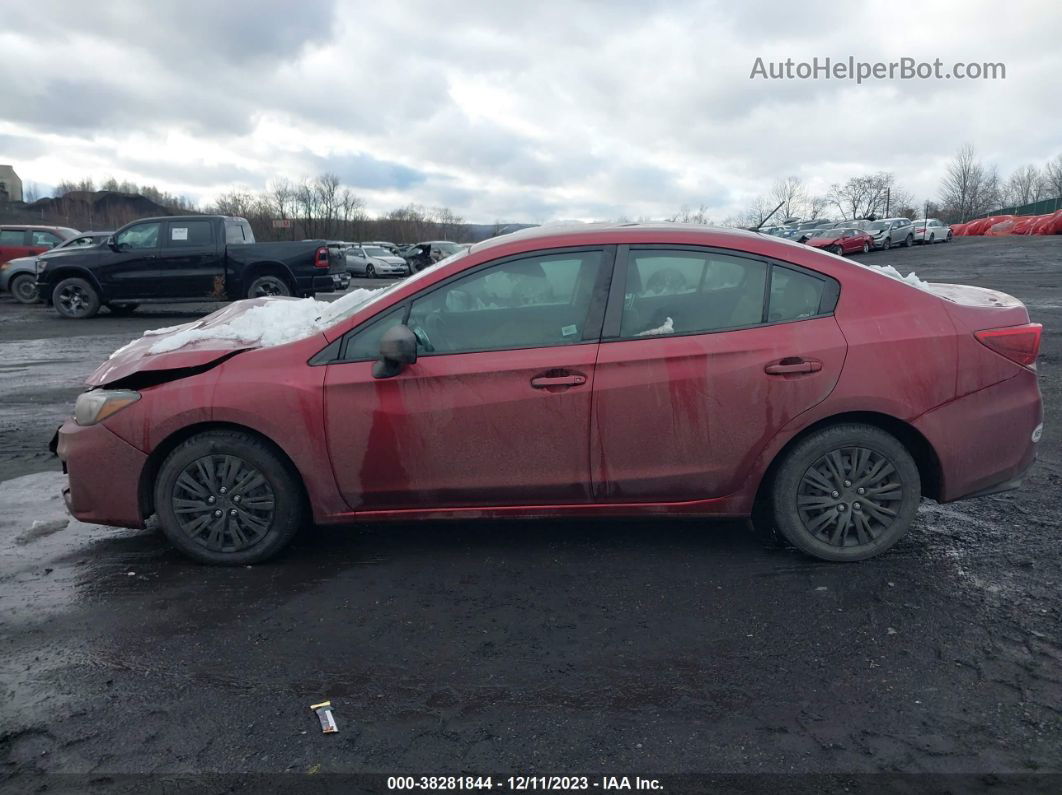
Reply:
x=592, y=371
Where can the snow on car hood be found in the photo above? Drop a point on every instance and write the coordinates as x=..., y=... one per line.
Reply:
x=251, y=323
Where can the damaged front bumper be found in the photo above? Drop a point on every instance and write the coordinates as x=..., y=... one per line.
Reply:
x=103, y=475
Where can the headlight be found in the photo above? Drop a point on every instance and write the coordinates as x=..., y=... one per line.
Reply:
x=99, y=404
x=39, y=265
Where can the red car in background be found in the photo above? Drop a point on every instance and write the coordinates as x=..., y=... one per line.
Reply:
x=626, y=370
x=21, y=240
x=842, y=241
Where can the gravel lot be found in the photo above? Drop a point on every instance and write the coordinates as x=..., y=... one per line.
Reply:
x=605, y=647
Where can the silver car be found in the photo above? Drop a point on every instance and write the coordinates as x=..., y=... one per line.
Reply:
x=932, y=230
x=19, y=276
x=889, y=232
x=373, y=261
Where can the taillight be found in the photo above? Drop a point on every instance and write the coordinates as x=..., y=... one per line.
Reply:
x=320, y=259
x=1020, y=344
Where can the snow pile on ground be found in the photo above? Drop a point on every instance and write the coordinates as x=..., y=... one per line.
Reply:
x=911, y=278
x=275, y=321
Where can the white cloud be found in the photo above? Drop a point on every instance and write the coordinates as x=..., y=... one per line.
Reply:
x=514, y=111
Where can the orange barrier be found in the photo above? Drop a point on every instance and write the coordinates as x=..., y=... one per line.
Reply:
x=1002, y=225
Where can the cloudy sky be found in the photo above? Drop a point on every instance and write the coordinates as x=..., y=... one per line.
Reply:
x=516, y=111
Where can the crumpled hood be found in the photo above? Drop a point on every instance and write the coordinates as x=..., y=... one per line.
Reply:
x=137, y=356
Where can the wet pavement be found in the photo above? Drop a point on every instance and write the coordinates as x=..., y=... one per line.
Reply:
x=619, y=647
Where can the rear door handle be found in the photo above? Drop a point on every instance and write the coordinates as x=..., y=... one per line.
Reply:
x=793, y=364
x=547, y=381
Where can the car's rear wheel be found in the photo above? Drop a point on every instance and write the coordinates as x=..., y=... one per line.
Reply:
x=24, y=288
x=268, y=285
x=908, y=241
x=76, y=298
x=226, y=498
x=847, y=492
x=121, y=310
x=370, y=271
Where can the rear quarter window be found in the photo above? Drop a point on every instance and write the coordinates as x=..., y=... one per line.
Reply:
x=794, y=295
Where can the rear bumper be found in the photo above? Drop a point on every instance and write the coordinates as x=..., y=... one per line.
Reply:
x=103, y=474
x=984, y=440
x=317, y=283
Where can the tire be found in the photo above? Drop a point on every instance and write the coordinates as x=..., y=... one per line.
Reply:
x=75, y=298
x=24, y=288
x=932, y=238
x=370, y=271
x=908, y=241
x=866, y=248
x=887, y=244
x=122, y=310
x=267, y=286
x=196, y=479
x=814, y=521
x=837, y=250
x=948, y=238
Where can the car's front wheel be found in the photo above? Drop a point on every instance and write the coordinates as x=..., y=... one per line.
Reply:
x=846, y=492
x=837, y=250
x=866, y=247
x=887, y=244
x=227, y=498
x=24, y=288
x=370, y=271
x=76, y=298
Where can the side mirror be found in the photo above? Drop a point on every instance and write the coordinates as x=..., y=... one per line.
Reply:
x=398, y=348
x=112, y=244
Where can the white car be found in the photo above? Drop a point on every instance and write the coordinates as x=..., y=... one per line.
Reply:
x=373, y=261
x=931, y=230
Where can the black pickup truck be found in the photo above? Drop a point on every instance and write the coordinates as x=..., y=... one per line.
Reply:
x=182, y=259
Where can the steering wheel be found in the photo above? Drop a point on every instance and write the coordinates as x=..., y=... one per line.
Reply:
x=431, y=322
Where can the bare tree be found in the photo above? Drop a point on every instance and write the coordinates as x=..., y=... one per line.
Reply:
x=1025, y=186
x=792, y=195
x=1053, y=177
x=685, y=215
x=862, y=197
x=962, y=183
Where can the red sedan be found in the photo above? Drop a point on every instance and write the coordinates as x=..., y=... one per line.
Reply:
x=629, y=370
x=842, y=241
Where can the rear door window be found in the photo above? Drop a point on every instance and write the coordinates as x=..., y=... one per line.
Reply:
x=794, y=295
x=189, y=234
x=12, y=237
x=689, y=292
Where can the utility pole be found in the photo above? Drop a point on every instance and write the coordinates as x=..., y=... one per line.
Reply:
x=888, y=201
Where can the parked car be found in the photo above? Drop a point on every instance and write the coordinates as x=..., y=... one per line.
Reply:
x=424, y=255
x=931, y=230
x=372, y=261
x=889, y=232
x=625, y=370
x=384, y=244
x=845, y=240
x=182, y=258
x=22, y=240
x=19, y=276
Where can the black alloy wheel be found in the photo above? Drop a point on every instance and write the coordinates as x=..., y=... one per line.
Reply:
x=223, y=503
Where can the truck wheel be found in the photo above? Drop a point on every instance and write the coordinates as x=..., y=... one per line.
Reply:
x=226, y=498
x=121, y=310
x=24, y=288
x=847, y=492
x=76, y=298
x=265, y=286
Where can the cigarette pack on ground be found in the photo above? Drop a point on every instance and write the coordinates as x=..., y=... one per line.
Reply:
x=324, y=713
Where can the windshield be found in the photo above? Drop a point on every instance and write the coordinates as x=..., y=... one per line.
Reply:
x=824, y=233
x=448, y=248
x=376, y=251
x=878, y=225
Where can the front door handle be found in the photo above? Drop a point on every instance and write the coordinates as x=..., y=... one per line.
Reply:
x=550, y=381
x=792, y=365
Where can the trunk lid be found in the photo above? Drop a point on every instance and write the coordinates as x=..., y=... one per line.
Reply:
x=977, y=308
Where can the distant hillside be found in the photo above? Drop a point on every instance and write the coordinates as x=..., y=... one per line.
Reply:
x=102, y=209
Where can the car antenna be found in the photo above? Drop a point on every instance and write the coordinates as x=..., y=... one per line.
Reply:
x=768, y=218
